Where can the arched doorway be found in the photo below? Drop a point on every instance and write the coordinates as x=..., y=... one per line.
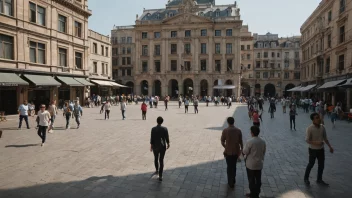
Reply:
x=157, y=88
x=204, y=88
x=188, y=87
x=129, y=89
x=173, y=88
x=144, y=88
x=246, y=89
x=288, y=87
x=216, y=92
x=228, y=91
x=269, y=90
x=257, y=90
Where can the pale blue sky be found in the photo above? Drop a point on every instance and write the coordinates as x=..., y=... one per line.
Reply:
x=284, y=17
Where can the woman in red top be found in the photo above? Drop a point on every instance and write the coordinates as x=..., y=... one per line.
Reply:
x=144, y=110
x=256, y=118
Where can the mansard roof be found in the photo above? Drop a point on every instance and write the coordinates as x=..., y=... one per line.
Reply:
x=177, y=2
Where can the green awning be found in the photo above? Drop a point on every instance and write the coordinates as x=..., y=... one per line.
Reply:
x=70, y=81
x=84, y=82
x=40, y=80
x=11, y=79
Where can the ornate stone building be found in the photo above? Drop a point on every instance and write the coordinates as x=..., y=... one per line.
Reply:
x=247, y=71
x=185, y=48
x=327, y=52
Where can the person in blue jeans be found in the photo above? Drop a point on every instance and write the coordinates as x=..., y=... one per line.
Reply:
x=23, y=114
x=67, y=113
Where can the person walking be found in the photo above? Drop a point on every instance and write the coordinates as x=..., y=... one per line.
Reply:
x=77, y=112
x=23, y=114
x=107, y=108
x=254, y=152
x=67, y=113
x=166, y=101
x=315, y=137
x=43, y=120
x=195, y=104
x=179, y=101
x=158, y=140
x=284, y=104
x=293, y=114
x=53, y=112
x=229, y=102
x=231, y=140
x=334, y=114
x=186, y=104
x=123, y=109
x=255, y=117
x=144, y=110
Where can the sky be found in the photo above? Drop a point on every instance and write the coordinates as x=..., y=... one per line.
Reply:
x=283, y=17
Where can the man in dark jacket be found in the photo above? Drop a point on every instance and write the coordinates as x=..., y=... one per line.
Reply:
x=158, y=140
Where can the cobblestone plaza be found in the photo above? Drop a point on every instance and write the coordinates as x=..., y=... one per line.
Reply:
x=111, y=158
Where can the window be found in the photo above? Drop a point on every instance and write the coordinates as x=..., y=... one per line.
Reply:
x=128, y=60
x=266, y=64
x=145, y=66
x=329, y=41
x=157, y=50
x=37, y=14
x=123, y=72
x=123, y=60
x=327, y=66
x=248, y=66
x=102, y=68
x=286, y=75
x=62, y=24
x=217, y=48
x=273, y=54
x=265, y=75
x=62, y=57
x=342, y=5
x=229, y=32
x=229, y=65
x=342, y=34
x=102, y=50
x=145, y=50
x=242, y=47
x=188, y=33
x=278, y=55
x=341, y=62
x=6, y=7
x=287, y=54
x=278, y=65
x=115, y=61
x=79, y=60
x=123, y=50
x=217, y=32
x=217, y=13
x=257, y=64
x=157, y=66
x=129, y=39
x=218, y=65
x=187, y=65
x=37, y=52
x=144, y=35
x=6, y=47
x=248, y=57
x=187, y=49
x=129, y=73
x=228, y=48
x=156, y=34
x=272, y=74
x=203, y=48
x=257, y=75
x=173, y=34
x=95, y=67
x=78, y=29
x=95, y=48
x=248, y=47
x=123, y=39
x=106, y=51
x=203, y=65
x=297, y=75
x=265, y=54
x=173, y=48
x=173, y=65
x=258, y=55
x=129, y=50
x=296, y=55
x=329, y=16
x=203, y=32
x=279, y=75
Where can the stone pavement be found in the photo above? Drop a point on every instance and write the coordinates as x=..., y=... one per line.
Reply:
x=111, y=158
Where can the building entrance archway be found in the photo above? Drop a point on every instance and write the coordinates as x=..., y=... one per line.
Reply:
x=269, y=90
x=288, y=87
x=188, y=87
x=157, y=88
x=204, y=87
x=257, y=89
x=173, y=88
x=246, y=89
x=144, y=88
x=228, y=91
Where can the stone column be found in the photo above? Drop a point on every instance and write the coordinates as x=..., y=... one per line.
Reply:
x=164, y=90
x=252, y=87
x=150, y=89
x=223, y=67
x=180, y=88
x=137, y=89
x=210, y=50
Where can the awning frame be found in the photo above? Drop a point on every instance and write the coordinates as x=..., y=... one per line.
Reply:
x=224, y=87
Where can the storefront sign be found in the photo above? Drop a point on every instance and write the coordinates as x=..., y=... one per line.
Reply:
x=8, y=84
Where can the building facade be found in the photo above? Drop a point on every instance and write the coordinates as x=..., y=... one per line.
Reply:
x=45, y=44
x=247, y=60
x=276, y=65
x=327, y=52
x=185, y=48
x=99, y=64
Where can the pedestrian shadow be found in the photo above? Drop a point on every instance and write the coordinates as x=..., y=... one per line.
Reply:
x=216, y=128
x=10, y=129
x=20, y=146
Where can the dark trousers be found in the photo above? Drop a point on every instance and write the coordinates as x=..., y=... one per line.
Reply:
x=25, y=117
x=68, y=117
x=255, y=182
x=186, y=108
x=231, y=161
x=107, y=114
x=179, y=104
x=159, y=155
x=315, y=154
x=42, y=132
x=165, y=106
x=293, y=120
x=144, y=115
x=123, y=114
x=207, y=103
x=195, y=108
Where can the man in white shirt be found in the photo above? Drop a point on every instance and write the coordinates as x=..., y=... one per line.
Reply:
x=23, y=113
x=43, y=122
x=53, y=112
x=229, y=100
x=123, y=109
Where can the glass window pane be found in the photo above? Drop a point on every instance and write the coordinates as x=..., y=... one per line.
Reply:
x=8, y=7
x=33, y=55
x=41, y=16
x=41, y=56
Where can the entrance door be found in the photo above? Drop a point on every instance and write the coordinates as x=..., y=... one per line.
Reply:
x=8, y=101
x=39, y=97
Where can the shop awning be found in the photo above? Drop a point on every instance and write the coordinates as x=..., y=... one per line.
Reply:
x=224, y=87
x=102, y=83
x=84, y=82
x=69, y=81
x=331, y=84
x=41, y=80
x=307, y=88
x=114, y=84
x=294, y=89
x=11, y=79
x=348, y=83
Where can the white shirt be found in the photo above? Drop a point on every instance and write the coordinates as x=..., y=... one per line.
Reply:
x=23, y=109
x=123, y=106
x=107, y=106
x=230, y=100
x=44, y=118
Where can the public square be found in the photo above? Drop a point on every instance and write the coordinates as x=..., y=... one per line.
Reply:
x=111, y=158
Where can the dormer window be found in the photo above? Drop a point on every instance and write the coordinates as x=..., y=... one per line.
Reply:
x=157, y=16
x=217, y=13
x=201, y=14
x=171, y=14
x=229, y=11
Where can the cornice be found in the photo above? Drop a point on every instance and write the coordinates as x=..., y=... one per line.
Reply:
x=70, y=4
